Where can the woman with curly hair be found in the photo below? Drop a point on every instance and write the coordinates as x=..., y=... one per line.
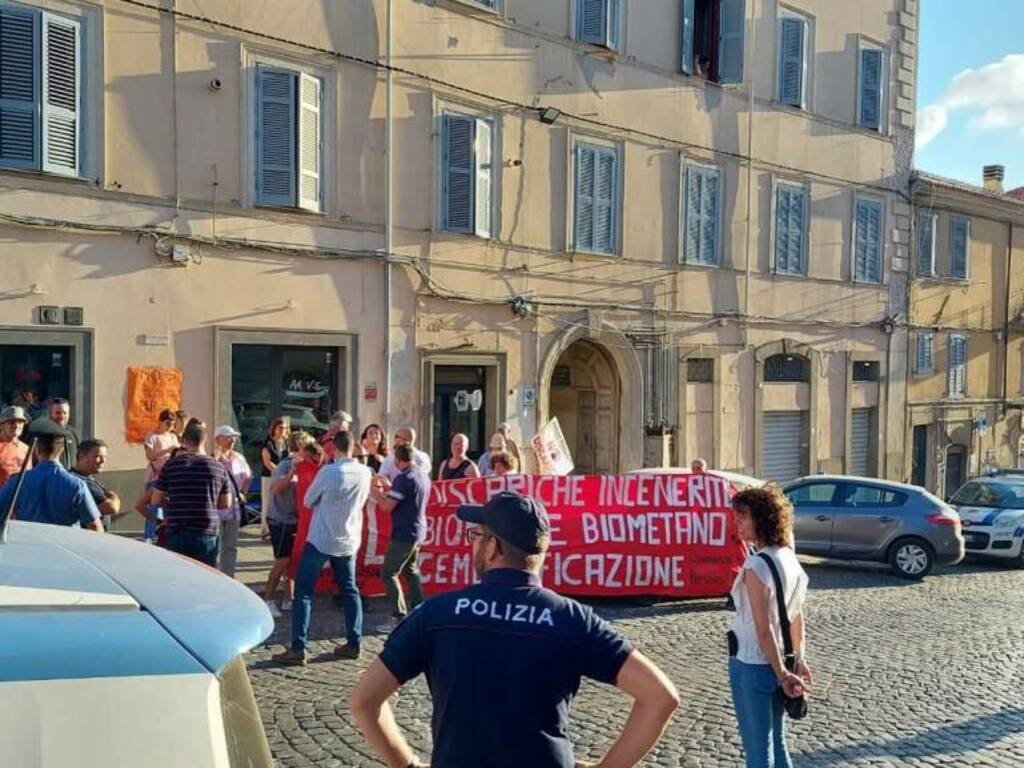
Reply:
x=758, y=674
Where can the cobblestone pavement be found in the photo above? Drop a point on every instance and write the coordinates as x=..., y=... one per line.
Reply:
x=908, y=675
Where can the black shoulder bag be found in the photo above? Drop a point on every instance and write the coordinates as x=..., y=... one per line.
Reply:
x=795, y=708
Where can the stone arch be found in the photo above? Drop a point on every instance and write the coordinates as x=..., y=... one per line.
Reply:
x=761, y=355
x=625, y=361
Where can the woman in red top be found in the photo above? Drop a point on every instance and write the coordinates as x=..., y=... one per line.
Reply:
x=306, y=467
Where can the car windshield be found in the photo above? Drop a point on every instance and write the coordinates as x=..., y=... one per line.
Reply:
x=1004, y=495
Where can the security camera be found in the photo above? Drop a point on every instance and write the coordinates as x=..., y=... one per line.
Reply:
x=216, y=84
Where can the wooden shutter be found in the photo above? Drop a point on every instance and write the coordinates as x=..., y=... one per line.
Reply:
x=459, y=173
x=62, y=95
x=792, y=61
x=311, y=154
x=584, y=197
x=926, y=244
x=592, y=21
x=275, y=137
x=19, y=88
x=959, y=238
x=614, y=33
x=871, y=66
x=605, y=184
x=484, y=177
x=868, y=242
x=686, y=43
x=790, y=229
x=732, y=29
x=957, y=365
x=924, y=352
x=691, y=216
x=701, y=216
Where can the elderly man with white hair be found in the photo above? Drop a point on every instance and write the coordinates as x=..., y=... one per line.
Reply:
x=341, y=421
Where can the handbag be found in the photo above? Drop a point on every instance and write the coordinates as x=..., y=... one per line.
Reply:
x=796, y=707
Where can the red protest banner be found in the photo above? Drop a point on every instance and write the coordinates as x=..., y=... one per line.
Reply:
x=669, y=535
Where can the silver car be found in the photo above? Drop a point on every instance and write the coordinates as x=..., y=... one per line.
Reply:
x=858, y=518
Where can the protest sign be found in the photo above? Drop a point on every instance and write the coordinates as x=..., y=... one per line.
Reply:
x=552, y=450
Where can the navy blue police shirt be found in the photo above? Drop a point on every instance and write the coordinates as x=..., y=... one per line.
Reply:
x=503, y=660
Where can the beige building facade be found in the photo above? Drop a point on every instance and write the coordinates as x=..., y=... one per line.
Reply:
x=965, y=390
x=680, y=226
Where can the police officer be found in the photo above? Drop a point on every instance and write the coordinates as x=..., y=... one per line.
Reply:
x=504, y=658
x=49, y=493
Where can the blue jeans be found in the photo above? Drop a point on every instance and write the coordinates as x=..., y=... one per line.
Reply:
x=760, y=714
x=195, y=544
x=344, y=568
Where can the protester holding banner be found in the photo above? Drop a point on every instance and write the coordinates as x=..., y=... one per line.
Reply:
x=757, y=668
x=504, y=658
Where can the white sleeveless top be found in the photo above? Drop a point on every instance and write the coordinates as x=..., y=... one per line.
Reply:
x=794, y=587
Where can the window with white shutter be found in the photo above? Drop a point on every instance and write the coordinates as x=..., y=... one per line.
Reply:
x=957, y=365
x=596, y=219
x=599, y=22
x=867, y=241
x=871, y=89
x=959, y=244
x=467, y=149
x=701, y=204
x=791, y=217
x=924, y=354
x=40, y=91
x=926, y=224
x=793, y=37
x=289, y=138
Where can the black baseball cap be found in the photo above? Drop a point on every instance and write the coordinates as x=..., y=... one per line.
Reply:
x=519, y=520
x=45, y=427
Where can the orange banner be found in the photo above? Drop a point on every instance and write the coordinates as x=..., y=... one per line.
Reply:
x=150, y=389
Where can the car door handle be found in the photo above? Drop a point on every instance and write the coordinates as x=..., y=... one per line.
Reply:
x=822, y=518
x=886, y=519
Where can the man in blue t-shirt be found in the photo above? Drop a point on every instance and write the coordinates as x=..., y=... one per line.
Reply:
x=504, y=658
x=406, y=500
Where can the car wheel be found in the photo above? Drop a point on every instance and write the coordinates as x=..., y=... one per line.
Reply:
x=911, y=559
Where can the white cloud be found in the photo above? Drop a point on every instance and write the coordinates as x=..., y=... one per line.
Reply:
x=994, y=94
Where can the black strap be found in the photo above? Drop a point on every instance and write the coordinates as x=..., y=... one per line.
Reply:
x=787, y=640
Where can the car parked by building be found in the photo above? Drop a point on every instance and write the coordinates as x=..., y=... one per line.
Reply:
x=118, y=653
x=858, y=518
x=991, y=513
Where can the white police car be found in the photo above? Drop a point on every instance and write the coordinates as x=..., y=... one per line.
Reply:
x=117, y=653
x=991, y=513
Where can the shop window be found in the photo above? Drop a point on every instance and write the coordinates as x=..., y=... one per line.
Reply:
x=30, y=376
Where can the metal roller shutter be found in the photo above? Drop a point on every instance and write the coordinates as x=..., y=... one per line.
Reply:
x=785, y=445
x=860, y=442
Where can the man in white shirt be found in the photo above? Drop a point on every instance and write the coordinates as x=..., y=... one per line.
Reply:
x=337, y=497
x=405, y=436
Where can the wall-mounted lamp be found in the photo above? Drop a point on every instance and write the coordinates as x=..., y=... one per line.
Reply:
x=549, y=115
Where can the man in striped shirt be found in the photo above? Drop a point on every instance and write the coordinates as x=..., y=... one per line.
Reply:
x=191, y=488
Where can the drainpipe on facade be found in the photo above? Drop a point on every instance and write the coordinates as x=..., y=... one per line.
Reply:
x=750, y=190
x=388, y=214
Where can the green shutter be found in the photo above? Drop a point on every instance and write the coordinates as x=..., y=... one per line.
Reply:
x=19, y=88
x=276, y=155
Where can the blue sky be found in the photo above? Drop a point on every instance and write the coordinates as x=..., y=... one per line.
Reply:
x=971, y=88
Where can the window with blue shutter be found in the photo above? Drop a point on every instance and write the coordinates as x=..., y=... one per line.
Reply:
x=926, y=244
x=701, y=201
x=599, y=22
x=867, y=242
x=466, y=177
x=40, y=91
x=732, y=34
x=872, y=70
x=959, y=243
x=791, y=216
x=792, y=61
x=596, y=199
x=289, y=138
x=957, y=364
x=687, y=42
x=924, y=354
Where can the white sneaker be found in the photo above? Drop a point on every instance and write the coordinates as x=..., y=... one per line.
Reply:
x=274, y=610
x=286, y=605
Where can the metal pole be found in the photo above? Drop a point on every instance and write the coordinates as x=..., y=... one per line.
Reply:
x=388, y=224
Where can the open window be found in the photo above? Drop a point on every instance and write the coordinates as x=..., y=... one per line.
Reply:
x=712, y=39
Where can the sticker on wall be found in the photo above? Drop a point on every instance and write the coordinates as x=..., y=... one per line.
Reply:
x=370, y=392
x=149, y=390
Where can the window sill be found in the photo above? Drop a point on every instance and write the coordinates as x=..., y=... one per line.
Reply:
x=789, y=275
x=34, y=173
x=289, y=209
x=700, y=265
x=575, y=253
x=460, y=234
x=471, y=7
x=944, y=280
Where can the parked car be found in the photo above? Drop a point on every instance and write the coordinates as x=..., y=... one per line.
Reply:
x=857, y=518
x=991, y=512
x=119, y=653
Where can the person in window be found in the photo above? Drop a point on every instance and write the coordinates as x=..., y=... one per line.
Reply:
x=504, y=463
x=496, y=445
x=273, y=451
x=376, y=446
x=240, y=476
x=757, y=669
x=459, y=465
